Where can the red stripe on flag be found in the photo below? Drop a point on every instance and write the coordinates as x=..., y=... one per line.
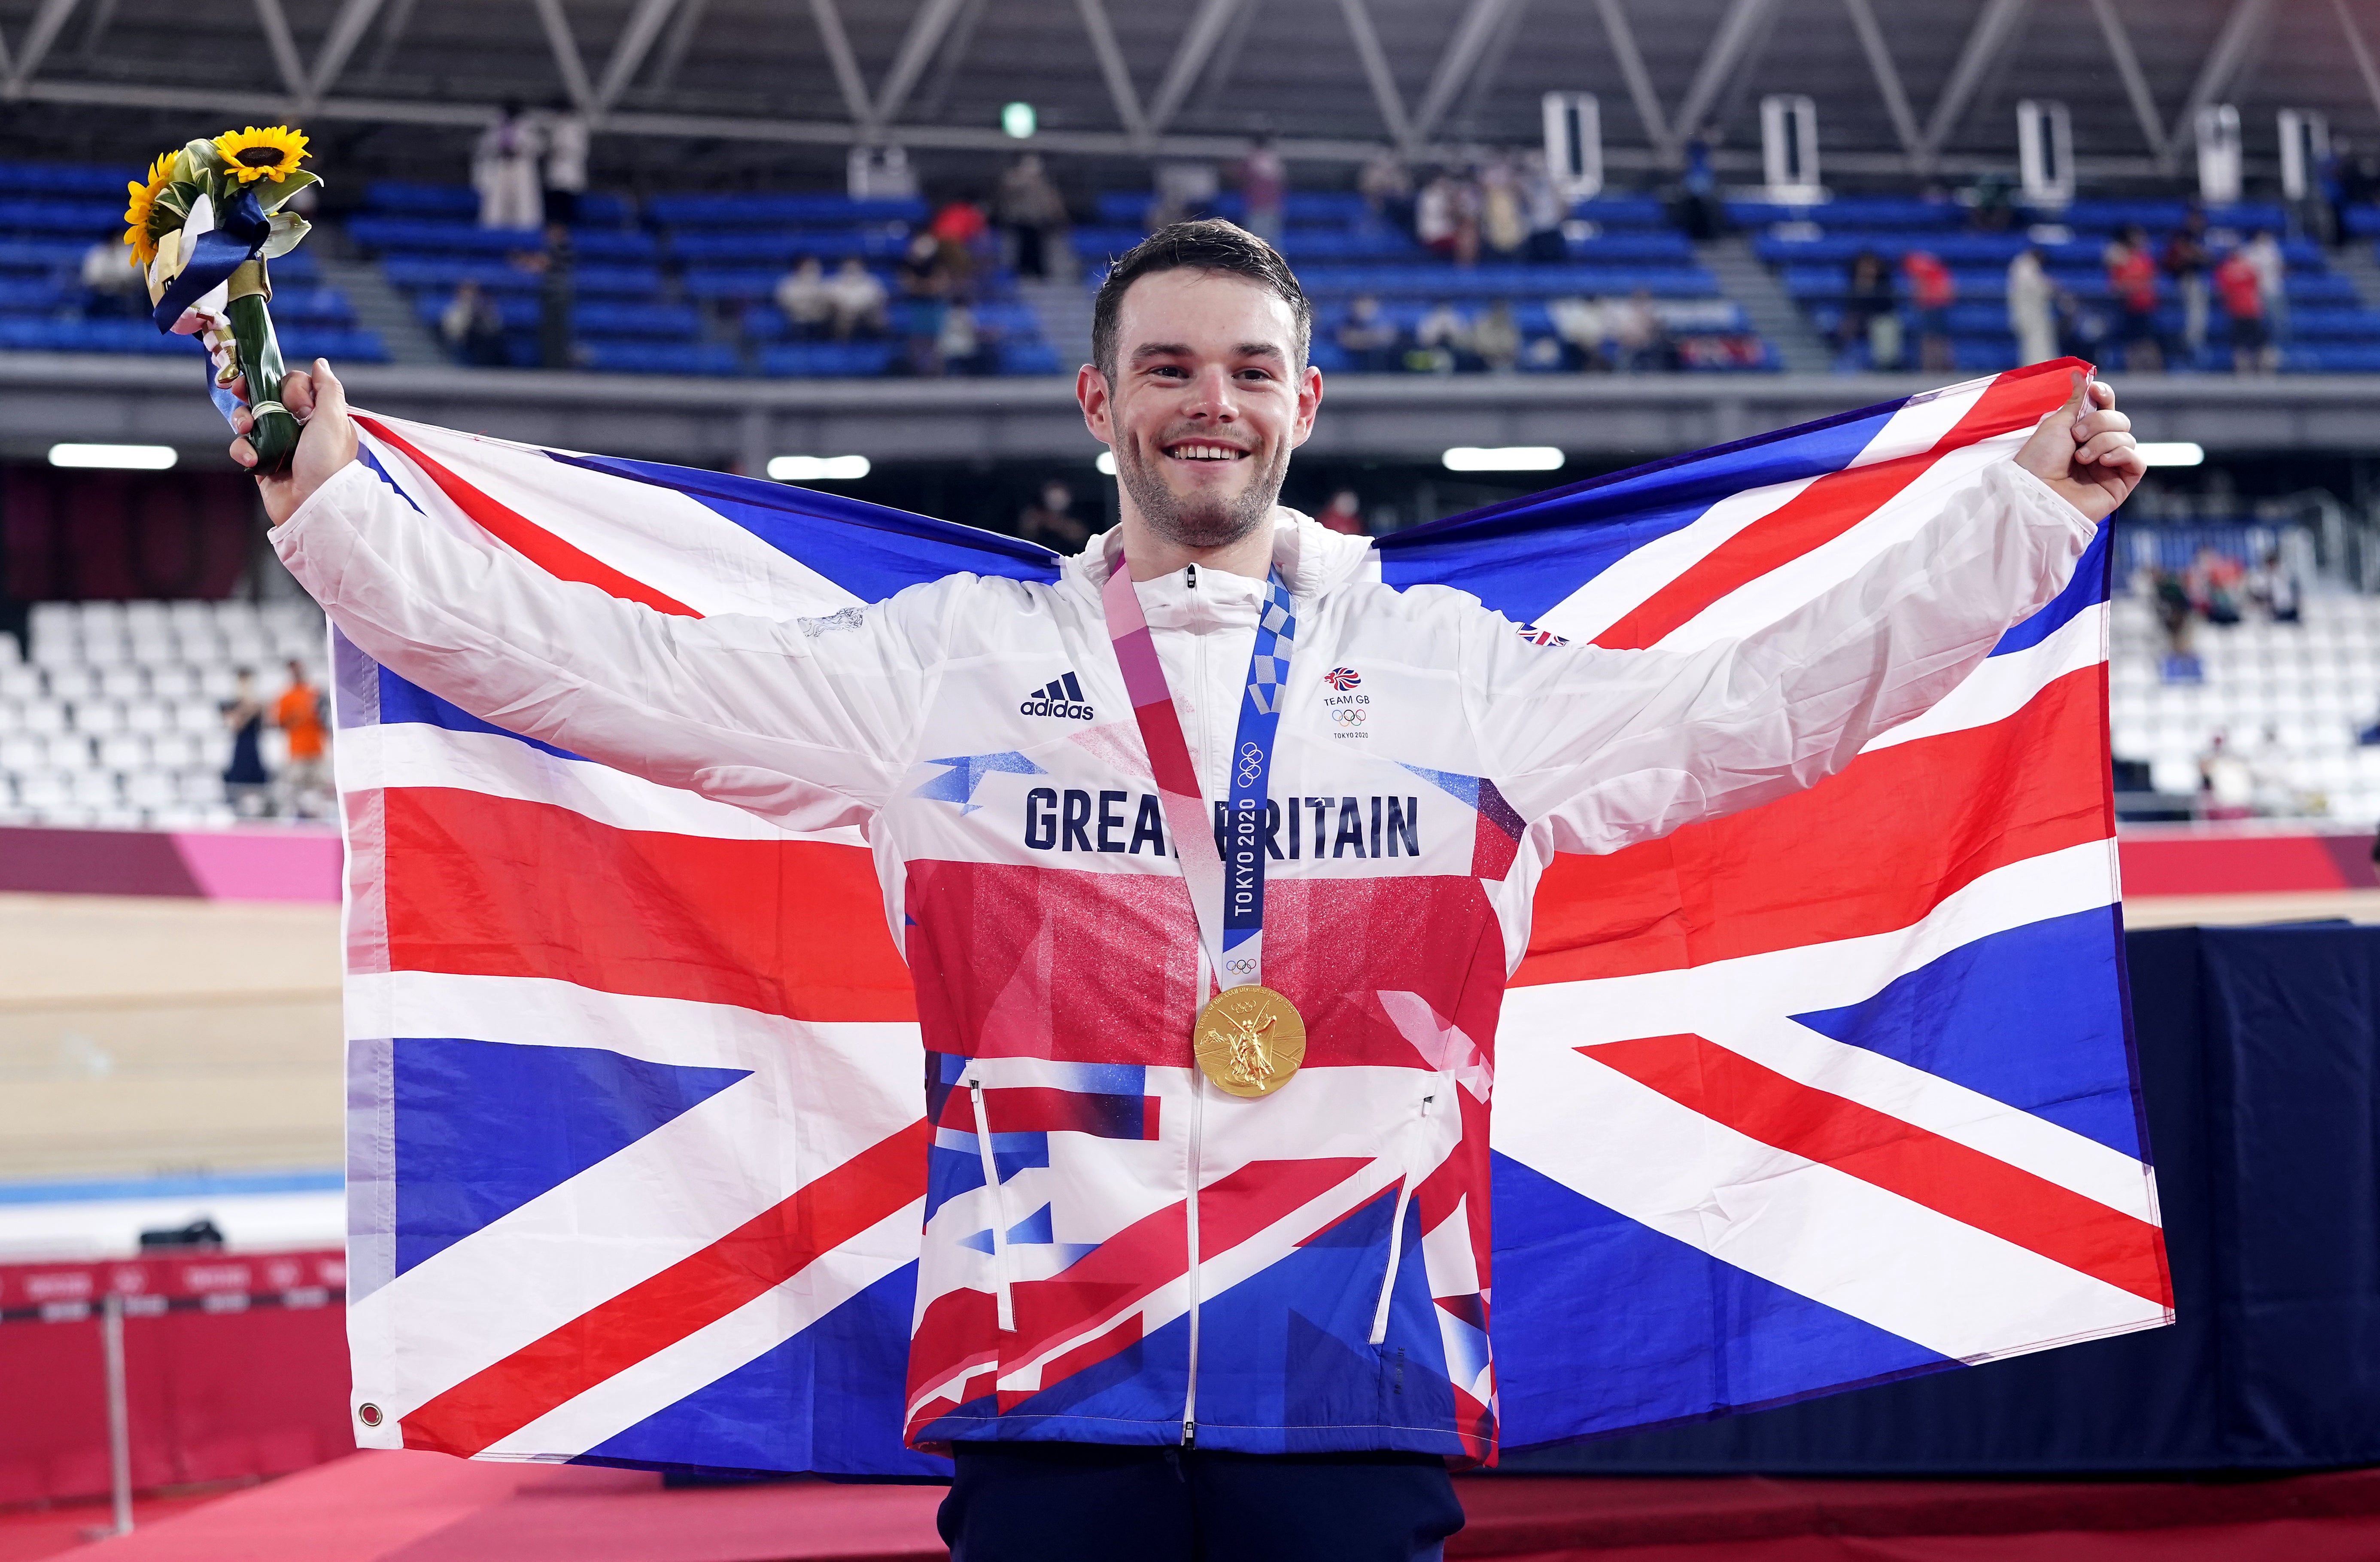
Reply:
x=1831, y=507
x=560, y=560
x=1869, y=850
x=1945, y=1176
x=1122, y=1272
x=691, y=1294
x=481, y=886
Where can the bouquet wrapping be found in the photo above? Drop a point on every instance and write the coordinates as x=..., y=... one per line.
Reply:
x=203, y=227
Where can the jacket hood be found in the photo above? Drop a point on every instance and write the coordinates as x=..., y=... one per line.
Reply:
x=1312, y=558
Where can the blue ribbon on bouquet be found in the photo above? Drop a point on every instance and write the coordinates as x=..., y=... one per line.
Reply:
x=237, y=237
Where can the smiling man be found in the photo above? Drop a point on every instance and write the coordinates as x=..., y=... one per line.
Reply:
x=1211, y=943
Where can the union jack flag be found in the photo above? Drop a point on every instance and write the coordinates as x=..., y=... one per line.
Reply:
x=1341, y=679
x=1824, y=1093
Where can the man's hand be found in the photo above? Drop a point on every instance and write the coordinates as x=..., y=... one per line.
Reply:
x=2084, y=450
x=328, y=443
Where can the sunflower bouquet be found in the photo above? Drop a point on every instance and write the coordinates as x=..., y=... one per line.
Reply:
x=201, y=226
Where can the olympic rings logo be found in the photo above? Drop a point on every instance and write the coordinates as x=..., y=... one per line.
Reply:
x=1347, y=716
x=1252, y=759
x=1240, y=967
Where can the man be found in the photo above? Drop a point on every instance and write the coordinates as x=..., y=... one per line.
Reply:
x=1399, y=765
x=305, y=779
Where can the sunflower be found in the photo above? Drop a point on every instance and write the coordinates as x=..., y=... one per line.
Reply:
x=144, y=201
x=269, y=154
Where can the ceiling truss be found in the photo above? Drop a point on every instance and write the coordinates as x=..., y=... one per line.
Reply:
x=628, y=92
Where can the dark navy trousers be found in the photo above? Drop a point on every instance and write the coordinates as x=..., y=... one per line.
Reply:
x=1084, y=1501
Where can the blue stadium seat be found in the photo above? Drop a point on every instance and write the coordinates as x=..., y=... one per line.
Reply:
x=93, y=219
x=618, y=281
x=397, y=197
x=518, y=310
x=1866, y=212
x=781, y=247
x=41, y=254
x=451, y=271
x=663, y=357
x=655, y=321
x=827, y=360
x=1030, y=358
x=64, y=179
x=746, y=211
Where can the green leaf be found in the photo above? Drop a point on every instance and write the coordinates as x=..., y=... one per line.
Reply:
x=269, y=195
x=288, y=227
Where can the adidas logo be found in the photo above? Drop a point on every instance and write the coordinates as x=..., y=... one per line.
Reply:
x=1062, y=697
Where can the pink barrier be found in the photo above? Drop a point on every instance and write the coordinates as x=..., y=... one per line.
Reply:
x=293, y=863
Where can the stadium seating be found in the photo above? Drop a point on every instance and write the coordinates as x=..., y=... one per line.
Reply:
x=2329, y=329
x=2289, y=698
x=113, y=714
x=51, y=214
x=680, y=287
x=1613, y=247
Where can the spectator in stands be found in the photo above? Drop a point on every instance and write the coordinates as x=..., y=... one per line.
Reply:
x=2243, y=300
x=1991, y=205
x=2030, y=316
x=557, y=284
x=859, y=301
x=1640, y=338
x=1543, y=208
x=563, y=137
x=2184, y=259
x=964, y=347
x=2175, y=614
x=1264, y=190
x=1034, y=214
x=1870, y=318
x=2227, y=785
x=1446, y=218
x=1368, y=338
x=1932, y=291
x=1699, y=206
x=960, y=229
x=2213, y=584
x=473, y=327
x=925, y=278
x=1344, y=513
x=504, y=170
x=111, y=288
x=1052, y=522
x=305, y=779
x=806, y=298
x=1387, y=187
x=2264, y=253
x=2273, y=586
x=1496, y=338
x=1503, y=229
x=247, y=784
x=1441, y=341
x=1581, y=327
x=2336, y=177
x=2132, y=278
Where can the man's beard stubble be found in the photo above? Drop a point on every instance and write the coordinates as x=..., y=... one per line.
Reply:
x=1200, y=524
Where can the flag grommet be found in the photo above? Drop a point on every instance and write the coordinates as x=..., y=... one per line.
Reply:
x=368, y=1413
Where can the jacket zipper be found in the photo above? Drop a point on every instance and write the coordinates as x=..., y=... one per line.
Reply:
x=1197, y=1097
x=1397, y=1229
x=1002, y=1299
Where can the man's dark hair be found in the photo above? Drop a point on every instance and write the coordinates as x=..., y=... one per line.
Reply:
x=1211, y=245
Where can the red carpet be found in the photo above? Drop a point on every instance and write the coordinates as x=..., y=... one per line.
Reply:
x=426, y=1508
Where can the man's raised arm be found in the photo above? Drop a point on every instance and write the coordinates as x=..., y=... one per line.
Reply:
x=1614, y=746
x=808, y=730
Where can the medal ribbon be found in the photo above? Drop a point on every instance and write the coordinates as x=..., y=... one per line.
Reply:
x=1226, y=887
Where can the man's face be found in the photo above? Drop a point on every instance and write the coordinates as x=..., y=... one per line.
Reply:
x=1206, y=402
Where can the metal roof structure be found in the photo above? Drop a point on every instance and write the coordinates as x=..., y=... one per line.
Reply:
x=719, y=91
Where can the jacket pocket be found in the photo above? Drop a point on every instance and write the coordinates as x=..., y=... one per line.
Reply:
x=1003, y=1303
x=1409, y=1147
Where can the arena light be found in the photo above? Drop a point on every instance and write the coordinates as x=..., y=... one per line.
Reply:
x=1503, y=458
x=2181, y=453
x=1018, y=120
x=817, y=469
x=114, y=457
x=1106, y=463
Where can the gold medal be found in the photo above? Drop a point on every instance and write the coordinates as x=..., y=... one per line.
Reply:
x=1250, y=1040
